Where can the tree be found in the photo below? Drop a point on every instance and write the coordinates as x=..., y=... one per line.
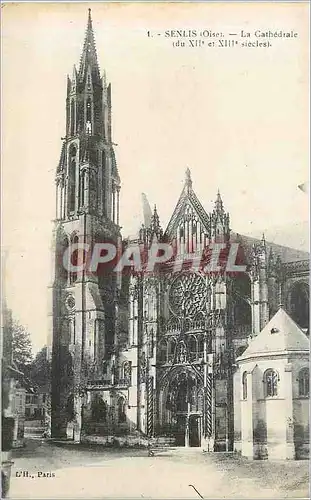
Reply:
x=21, y=347
x=40, y=371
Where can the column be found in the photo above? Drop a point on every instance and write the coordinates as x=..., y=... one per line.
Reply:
x=118, y=204
x=255, y=307
x=264, y=305
x=86, y=188
x=78, y=418
x=65, y=200
x=289, y=416
x=113, y=203
x=57, y=201
x=247, y=418
x=150, y=406
x=61, y=203
x=208, y=438
x=135, y=321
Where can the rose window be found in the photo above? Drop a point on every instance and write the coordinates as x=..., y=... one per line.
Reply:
x=188, y=295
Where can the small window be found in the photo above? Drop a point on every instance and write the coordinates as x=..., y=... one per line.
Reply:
x=304, y=382
x=271, y=380
x=244, y=385
x=88, y=128
x=89, y=110
x=274, y=330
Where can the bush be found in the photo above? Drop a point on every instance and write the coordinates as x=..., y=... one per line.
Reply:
x=7, y=433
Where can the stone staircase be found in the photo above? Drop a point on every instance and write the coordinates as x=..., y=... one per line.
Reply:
x=34, y=429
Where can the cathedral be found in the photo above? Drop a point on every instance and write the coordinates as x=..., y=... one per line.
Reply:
x=138, y=356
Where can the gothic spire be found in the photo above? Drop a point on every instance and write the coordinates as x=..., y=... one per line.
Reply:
x=155, y=221
x=220, y=220
x=89, y=56
x=155, y=225
x=188, y=180
x=153, y=232
x=219, y=207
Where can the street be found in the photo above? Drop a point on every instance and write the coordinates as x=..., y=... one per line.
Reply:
x=63, y=470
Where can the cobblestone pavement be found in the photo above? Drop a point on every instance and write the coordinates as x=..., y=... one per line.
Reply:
x=95, y=472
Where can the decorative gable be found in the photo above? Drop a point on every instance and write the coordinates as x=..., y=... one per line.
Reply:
x=189, y=224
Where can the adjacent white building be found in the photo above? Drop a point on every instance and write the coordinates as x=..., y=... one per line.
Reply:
x=271, y=392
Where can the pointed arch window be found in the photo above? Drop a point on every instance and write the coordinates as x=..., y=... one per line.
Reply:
x=271, y=379
x=163, y=351
x=93, y=189
x=192, y=344
x=104, y=180
x=244, y=385
x=72, y=179
x=150, y=344
x=299, y=304
x=89, y=82
x=171, y=350
x=89, y=110
x=89, y=116
x=200, y=346
x=63, y=270
x=99, y=410
x=74, y=259
x=72, y=117
x=121, y=411
x=304, y=382
x=81, y=189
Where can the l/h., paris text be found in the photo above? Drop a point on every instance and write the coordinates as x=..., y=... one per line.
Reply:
x=33, y=475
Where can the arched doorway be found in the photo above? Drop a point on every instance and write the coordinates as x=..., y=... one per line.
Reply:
x=183, y=408
x=299, y=304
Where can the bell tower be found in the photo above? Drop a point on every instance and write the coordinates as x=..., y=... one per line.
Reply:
x=87, y=212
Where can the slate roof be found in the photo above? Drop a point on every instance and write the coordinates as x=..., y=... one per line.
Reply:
x=287, y=254
x=280, y=335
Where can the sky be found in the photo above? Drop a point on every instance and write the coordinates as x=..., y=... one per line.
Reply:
x=238, y=118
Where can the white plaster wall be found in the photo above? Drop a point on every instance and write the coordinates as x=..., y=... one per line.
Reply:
x=237, y=409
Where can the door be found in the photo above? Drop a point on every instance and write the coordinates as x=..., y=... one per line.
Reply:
x=194, y=430
x=180, y=430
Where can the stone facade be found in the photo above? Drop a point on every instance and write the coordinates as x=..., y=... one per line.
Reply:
x=138, y=356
